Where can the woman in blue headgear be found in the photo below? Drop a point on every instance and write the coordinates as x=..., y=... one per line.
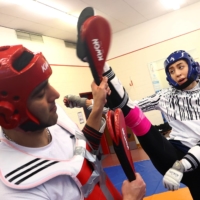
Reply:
x=178, y=157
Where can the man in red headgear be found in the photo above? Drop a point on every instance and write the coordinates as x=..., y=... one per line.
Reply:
x=44, y=155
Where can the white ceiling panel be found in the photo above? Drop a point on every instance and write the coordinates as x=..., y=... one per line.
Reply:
x=106, y=6
x=4, y=3
x=58, y=4
x=130, y=18
x=116, y=25
x=72, y=7
x=145, y=7
x=121, y=14
x=11, y=9
x=5, y=19
x=142, y=4
x=24, y=13
x=25, y=25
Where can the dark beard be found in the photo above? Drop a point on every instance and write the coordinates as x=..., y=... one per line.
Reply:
x=32, y=126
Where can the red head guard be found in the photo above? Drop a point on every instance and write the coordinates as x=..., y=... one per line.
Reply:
x=16, y=85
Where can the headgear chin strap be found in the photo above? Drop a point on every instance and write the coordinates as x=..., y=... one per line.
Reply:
x=193, y=66
x=21, y=71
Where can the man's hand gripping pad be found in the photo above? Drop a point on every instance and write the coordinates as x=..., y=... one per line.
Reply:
x=117, y=129
x=96, y=35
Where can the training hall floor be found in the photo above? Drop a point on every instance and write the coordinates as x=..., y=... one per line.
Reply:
x=152, y=178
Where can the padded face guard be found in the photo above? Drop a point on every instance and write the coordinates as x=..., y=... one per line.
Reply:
x=96, y=35
x=193, y=67
x=16, y=85
x=117, y=129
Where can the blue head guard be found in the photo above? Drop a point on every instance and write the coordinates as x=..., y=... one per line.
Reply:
x=193, y=71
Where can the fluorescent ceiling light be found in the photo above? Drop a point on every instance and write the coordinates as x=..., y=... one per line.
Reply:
x=172, y=4
x=45, y=10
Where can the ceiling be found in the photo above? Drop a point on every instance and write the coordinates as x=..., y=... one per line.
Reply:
x=121, y=15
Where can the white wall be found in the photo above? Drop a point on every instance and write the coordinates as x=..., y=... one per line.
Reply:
x=53, y=49
x=71, y=80
x=132, y=49
x=157, y=30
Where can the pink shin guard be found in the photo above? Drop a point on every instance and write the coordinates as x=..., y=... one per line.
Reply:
x=138, y=122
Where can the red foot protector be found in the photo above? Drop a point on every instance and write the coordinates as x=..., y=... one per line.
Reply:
x=117, y=129
x=96, y=35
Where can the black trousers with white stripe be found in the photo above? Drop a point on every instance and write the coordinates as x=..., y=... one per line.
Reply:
x=163, y=155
